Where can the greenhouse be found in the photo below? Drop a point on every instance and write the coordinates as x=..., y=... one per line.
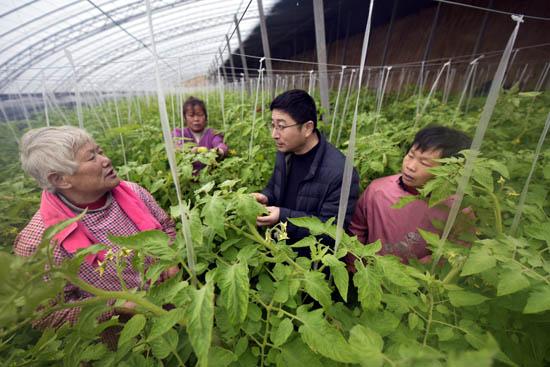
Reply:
x=275, y=183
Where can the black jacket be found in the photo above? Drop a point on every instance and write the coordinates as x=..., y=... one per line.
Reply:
x=318, y=194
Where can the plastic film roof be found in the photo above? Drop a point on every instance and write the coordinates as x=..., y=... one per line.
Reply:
x=110, y=44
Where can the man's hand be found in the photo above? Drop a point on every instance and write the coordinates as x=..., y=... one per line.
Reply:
x=260, y=198
x=168, y=273
x=269, y=219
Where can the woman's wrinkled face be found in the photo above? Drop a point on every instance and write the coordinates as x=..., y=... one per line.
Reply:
x=416, y=165
x=195, y=118
x=95, y=175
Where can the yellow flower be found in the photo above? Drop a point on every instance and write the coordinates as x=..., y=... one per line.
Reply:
x=501, y=180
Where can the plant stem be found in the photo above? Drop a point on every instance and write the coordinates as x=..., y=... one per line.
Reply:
x=451, y=274
x=262, y=347
x=157, y=310
x=429, y=323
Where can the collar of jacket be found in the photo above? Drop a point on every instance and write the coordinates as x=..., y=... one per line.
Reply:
x=316, y=161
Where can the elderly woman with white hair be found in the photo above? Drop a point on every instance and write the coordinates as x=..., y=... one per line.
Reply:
x=76, y=175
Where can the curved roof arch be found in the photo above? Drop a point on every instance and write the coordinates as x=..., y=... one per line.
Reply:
x=109, y=38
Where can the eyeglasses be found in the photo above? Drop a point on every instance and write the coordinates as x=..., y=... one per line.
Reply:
x=280, y=128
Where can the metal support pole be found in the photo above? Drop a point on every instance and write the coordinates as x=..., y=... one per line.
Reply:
x=319, y=15
x=388, y=33
x=222, y=65
x=432, y=32
x=241, y=49
x=265, y=40
x=481, y=33
x=230, y=59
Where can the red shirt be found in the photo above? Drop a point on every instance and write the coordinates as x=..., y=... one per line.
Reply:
x=397, y=229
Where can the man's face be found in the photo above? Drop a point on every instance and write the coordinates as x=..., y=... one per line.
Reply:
x=95, y=174
x=195, y=118
x=289, y=136
x=416, y=165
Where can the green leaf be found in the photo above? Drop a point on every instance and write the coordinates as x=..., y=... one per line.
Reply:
x=305, y=242
x=163, y=346
x=154, y=243
x=484, y=177
x=200, y=320
x=464, y=298
x=280, y=334
x=510, y=282
x=479, y=260
x=404, y=201
x=394, y=272
x=317, y=287
x=296, y=354
x=213, y=212
x=539, y=300
x=340, y=274
x=369, y=288
x=314, y=225
x=248, y=208
x=93, y=352
x=220, y=357
x=234, y=285
x=162, y=324
x=323, y=338
x=132, y=328
x=367, y=346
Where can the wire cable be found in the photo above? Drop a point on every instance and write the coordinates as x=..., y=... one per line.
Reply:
x=127, y=32
x=490, y=10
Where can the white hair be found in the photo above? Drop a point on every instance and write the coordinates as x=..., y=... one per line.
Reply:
x=50, y=150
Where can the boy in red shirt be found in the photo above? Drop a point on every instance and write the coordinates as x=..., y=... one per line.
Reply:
x=375, y=218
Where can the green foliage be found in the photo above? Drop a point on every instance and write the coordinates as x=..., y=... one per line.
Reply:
x=255, y=302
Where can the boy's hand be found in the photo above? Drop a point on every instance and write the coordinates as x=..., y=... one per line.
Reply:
x=269, y=219
x=260, y=198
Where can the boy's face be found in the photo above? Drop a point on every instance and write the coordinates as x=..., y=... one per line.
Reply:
x=416, y=164
x=195, y=118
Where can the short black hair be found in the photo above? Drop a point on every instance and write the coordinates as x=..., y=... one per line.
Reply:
x=298, y=104
x=191, y=102
x=449, y=141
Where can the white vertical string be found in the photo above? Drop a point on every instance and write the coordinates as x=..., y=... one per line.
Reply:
x=310, y=84
x=345, y=110
x=542, y=77
x=381, y=96
x=465, y=88
x=168, y=144
x=251, y=143
x=523, y=196
x=76, y=89
x=8, y=123
x=222, y=103
x=432, y=90
x=336, y=103
x=242, y=96
x=348, y=166
x=44, y=100
x=486, y=114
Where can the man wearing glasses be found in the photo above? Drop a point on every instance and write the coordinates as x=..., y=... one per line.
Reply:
x=308, y=170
